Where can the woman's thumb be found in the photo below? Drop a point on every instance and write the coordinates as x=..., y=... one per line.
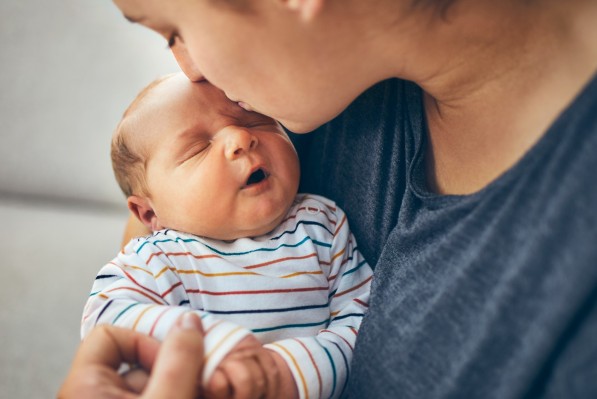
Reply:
x=176, y=372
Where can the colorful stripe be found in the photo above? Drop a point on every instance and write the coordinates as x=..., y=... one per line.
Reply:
x=286, y=326
x=274, y=310
x=297, y=368
x=255, y=292
x=314, y=363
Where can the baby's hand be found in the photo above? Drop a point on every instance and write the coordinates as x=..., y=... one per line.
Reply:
x=251, y=372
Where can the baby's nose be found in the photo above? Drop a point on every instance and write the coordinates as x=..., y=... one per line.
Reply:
x=239, y=141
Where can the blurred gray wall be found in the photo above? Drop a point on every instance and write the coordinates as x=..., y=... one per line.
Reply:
x=68, y=70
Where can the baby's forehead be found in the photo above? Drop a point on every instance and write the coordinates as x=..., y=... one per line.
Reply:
x=178, y=94
x=175, y=104
x=178, y=85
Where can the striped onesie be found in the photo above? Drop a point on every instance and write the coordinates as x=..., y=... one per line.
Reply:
x=302, y=290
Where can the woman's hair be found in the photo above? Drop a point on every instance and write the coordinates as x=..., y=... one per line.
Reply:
x=128, y=160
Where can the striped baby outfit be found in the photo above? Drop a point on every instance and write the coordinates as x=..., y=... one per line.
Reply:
x=302, y=290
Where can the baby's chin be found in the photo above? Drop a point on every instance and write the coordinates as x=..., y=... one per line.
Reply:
x=246, y=222
x=249, y=231
x=227, y=235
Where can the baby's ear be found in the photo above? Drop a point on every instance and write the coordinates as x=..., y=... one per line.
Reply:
x=307, y=9
x=143, y=210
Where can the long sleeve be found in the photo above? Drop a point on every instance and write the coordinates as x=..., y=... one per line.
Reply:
x=139, y=290
x=321, y=364
x=306, y=278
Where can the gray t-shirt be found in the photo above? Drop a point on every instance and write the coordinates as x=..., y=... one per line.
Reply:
x=489, y=295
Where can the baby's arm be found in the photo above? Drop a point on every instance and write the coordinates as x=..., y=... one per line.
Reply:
x=143, y=293
x=320, y=364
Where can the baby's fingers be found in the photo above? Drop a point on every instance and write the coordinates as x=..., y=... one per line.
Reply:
x=246, y=379
x=271, y=372
x=218, y=387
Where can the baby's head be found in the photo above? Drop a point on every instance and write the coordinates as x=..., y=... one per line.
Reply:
x=189, y=159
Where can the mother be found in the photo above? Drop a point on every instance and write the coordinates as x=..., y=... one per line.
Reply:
x=471, y=190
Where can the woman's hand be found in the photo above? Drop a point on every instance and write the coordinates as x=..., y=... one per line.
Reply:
x=175, y=364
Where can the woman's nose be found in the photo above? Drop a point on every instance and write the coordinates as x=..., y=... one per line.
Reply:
x=180, y=52
x=238, y=141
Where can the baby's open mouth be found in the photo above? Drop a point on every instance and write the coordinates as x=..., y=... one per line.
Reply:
x=256, y=177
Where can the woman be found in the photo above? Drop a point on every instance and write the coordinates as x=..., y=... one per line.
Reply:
x=470, y=190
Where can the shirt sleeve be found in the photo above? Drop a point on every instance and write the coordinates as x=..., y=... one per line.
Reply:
x=321, y=364
x=143, y=293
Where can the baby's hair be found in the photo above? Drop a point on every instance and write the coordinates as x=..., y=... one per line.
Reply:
x=128, y=159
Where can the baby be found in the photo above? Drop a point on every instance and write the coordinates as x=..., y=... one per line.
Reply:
x=233, y=242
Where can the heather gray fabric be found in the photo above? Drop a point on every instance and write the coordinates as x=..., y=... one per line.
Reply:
x=490, y=295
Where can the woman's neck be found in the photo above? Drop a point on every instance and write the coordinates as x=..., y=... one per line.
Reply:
x=496, y=75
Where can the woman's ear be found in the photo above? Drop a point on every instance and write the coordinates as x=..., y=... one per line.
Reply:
x=308, y=9
x=143, y=210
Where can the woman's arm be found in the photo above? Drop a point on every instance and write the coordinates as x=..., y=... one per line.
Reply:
x=134, y=228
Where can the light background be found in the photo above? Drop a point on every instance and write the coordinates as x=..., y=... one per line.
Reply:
x=68, y=70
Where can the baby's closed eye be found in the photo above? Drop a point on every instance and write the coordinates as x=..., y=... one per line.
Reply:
x=199, y=148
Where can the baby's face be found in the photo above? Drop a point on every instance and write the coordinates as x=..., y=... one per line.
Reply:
x=214, y=169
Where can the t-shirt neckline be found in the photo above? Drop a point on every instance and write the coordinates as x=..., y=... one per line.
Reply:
x=417, y=173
